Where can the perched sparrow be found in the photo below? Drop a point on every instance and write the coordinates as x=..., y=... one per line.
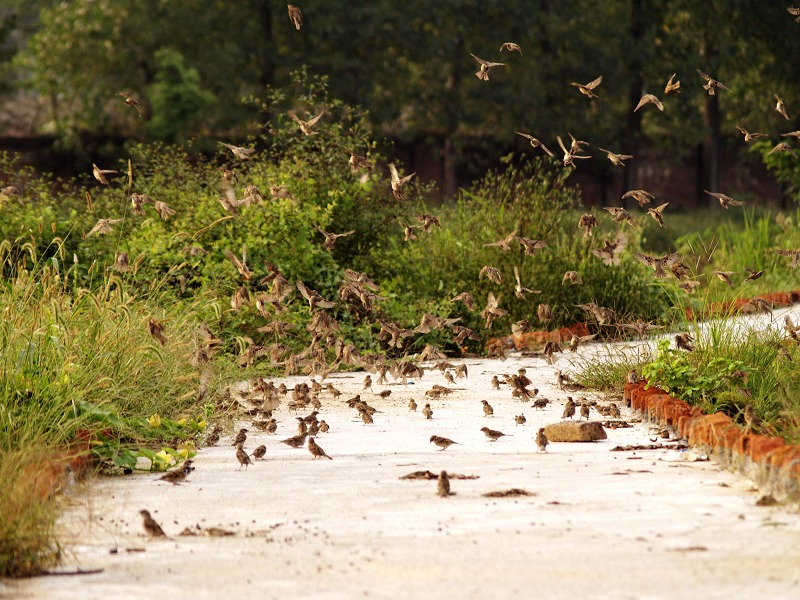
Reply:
x=323, y=426
x=427, y=411
x=178, y=475
x=213, y=436
x=485, y=65
x=488, y=411
x=520, y=419
x=316, y=450
x=296, y=441
x=366, y=417
x=751, y=420
x=151, y=528
x=240, y=438
x=588, y=88
x=569, y=409
x=242, y=457
x=495, y=383
x=259, y=452
x=296, y=16
x=443, y=485
x=724, y=200
x=614, y=411
x=511, y=46
x=493, y=434
x=385, y=394
x=649, y=99
x=585, y=410
x=541, y=440
x=367, y=383
x=684, y=341
x=672, y=88
x=711, y=84
x=443, y=442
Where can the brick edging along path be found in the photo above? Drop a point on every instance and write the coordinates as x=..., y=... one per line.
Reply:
x=769, y=461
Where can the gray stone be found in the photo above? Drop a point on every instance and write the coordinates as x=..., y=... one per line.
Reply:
x=575, y=431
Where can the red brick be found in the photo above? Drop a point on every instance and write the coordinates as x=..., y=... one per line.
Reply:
x=760, y=445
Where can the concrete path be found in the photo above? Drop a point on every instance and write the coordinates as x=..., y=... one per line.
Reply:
x=597, y=523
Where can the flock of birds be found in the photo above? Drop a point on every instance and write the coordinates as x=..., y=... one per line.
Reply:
x=359, y=293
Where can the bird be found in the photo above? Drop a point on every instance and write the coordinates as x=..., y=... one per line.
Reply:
x=650, y=99
x=520, y=291
x=614, y=411
x=783, y=147
x=132, y=102
x=296, y=441
x=656, y=213
x=151, y=527
x=620, y=215
x=213, y=436
x=427, y=411
x=239, y=152
x=780, y=107
x=493, y=434
x=672, y=87
x=569, y=155
x=324, y=427
x=492, y=274
x=398, y=183
x=725, y=277
x=259, y=452
x=443, y=485
x=505, y=243
x=100, y=174
x=295, y=16
x=577, y=340
x=569, y=408
x=488, y=411
x=103, y=227
x=684, y=341
x=587, y=89
x=121, y=262
x=412, y=405
x=242, y=457
x=330, y=238
x=366, y=418
x=712, y=84
x=643, y=197
x=794, y=254
x=467, y=299
x=573, y=277
x=749, y=137
x=443, y=442
x=587, y=222
x=551, y=348
x=585, y=410
x=316, y=450
x=367, y=383
x=485, y=65
x=241, y=265
x=535, y=143
x=163, y=210
x=751, y=420
x=495, y=383
x=520, y=419
x=240, y=438
x=307, y=126
x=541, y=440
x=544, y=313
x=616, y=159
x=530, y=246
x=795, y=12
x=511, y=46
x=178, y=475
x=724, y=200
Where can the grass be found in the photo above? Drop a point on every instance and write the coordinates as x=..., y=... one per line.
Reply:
x=79, y=364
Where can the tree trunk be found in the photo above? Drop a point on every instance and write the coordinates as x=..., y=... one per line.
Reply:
x=711, y=145
x=266, y=44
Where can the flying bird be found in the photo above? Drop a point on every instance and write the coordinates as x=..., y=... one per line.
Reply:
x=511, y=47
x=132, y=102
x=616, y=159
x=295, y=16
x=780, y=107
x=307, y=126
x=650, y=99
x=535, y=143
x=483, y=72
x=330, y=238
x=643, y=197
x=672, y=87
x=712, y=84
x=100, y=174
x=239, y=152
x=398, y=183
x=724, y=200
x=587, y=89
x=749, y=137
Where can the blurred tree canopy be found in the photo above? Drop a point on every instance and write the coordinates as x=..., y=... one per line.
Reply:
x=409, y=65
